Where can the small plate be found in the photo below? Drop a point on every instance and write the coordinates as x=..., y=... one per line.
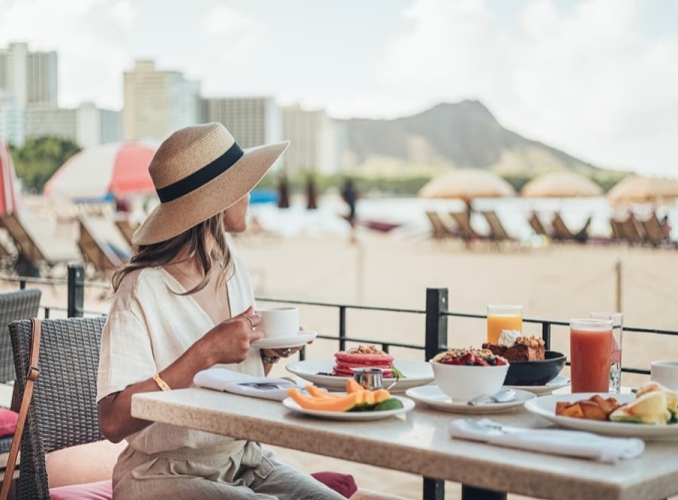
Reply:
x=408, y=404
x=540, y=390
x=298, y=340
x=432, y=396
x=416, y=373
x=546, y=407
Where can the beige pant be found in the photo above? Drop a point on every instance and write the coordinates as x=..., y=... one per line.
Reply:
x=252, y=474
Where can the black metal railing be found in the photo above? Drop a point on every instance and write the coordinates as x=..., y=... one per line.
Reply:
x=435, y=338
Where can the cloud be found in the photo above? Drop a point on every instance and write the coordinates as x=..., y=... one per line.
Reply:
x=85, y=33
x=585, y=80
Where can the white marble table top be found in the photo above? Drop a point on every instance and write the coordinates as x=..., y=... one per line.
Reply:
x=418, y=443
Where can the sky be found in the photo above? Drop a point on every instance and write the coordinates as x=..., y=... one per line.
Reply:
x=596, y=78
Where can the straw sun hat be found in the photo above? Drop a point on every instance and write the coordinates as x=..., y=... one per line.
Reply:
x=198, y=172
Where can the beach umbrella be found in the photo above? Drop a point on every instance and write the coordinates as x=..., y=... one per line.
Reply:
x=561, y=184
x=117, y=169
x=9, y=196
x=467, y=184
x=635, y=189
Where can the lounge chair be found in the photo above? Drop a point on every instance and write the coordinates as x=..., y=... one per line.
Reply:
x=654, y=232
x=617, y=229
x=497, y=231
x=126, y=228
x=536, y=225
x=440, y=229
x=562, y=233
x=466, y=231
x=96, y=252
x=631, y=230
x=30, y=259
x=22, y=304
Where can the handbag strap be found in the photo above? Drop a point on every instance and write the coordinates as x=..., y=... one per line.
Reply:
x=31, y=377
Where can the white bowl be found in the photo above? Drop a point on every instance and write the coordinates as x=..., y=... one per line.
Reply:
x=462, y=382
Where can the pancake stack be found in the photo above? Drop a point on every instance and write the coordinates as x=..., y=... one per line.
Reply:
x=363, y=356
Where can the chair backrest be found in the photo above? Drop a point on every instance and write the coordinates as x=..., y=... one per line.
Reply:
x=464, y=222
x=96, y=252
x=560, y=230
x=497, y=231
x=631, y=230
x=22, y=304
x=536, y=225
x=654, y=232
x=440, y=230
x=23, y=240
x=126, y=229
x=617, y=230
x=63, y=411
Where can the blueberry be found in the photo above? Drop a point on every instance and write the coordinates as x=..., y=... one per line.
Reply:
x=491, y=361
x=469, y=363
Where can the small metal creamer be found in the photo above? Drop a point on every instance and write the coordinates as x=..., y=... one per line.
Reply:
x=369, y=378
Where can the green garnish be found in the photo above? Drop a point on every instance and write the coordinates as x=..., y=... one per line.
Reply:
x=397, y=373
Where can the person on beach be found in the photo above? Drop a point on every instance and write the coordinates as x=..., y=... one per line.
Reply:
x=184, y=303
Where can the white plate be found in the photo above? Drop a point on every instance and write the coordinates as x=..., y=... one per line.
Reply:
x=298, y=340
x=540, y=390
x=432, y=396
x=417, y=373
x=408, y=404
x=545, y=406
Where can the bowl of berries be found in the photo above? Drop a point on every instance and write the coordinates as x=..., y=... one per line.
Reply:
x=465, y=374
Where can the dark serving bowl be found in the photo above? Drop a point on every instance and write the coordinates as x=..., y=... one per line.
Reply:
x=535, y=372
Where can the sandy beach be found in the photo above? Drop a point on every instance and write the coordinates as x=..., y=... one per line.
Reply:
x=555, y=282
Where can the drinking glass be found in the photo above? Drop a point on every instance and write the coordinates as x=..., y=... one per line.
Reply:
x=503, y=317
x=616, y=351
x=590, y=354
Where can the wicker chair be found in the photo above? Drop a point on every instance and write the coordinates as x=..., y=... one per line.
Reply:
x=63, y=411
x=14, y=306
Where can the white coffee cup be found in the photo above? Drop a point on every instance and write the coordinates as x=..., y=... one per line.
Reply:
x=665, y=372
x=279, y=321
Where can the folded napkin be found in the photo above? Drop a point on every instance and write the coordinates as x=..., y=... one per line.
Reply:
x=221, y=379
x=553, y=441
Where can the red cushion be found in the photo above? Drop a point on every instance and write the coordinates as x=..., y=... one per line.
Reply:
x=103, y=490
x=8, y=419
x=344, y=484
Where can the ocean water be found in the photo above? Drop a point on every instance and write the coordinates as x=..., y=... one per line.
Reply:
x=411, y=214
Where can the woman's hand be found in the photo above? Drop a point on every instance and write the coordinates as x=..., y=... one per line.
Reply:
x=281, y=353
x=229, y=341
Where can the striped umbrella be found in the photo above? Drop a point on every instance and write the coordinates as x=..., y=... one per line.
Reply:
x=117, y=169
x=9, y=196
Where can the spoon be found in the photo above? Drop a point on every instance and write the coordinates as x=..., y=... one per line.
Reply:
x=503, y=396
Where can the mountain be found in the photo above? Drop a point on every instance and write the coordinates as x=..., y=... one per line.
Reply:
x=462, y=135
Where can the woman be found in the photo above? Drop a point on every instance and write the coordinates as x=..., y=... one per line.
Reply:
x=183, y=304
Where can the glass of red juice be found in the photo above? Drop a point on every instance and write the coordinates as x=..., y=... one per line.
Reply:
x=590, y=354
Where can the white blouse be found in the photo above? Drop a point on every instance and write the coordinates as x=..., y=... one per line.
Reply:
x=149, y=326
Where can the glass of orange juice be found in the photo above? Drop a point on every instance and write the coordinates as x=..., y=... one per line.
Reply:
x=503, y=317
x=590, y=354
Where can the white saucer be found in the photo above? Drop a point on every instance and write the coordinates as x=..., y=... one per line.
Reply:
x=541, y=390
x=298, y=340
x=432, y=396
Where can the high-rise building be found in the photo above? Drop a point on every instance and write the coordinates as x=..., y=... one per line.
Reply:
x=85, y=125
x=45, y=120
x=12, y=120
x=96, y=126
x=317, y=142
x=31, y=77
x=252, y=120
x=158, y=102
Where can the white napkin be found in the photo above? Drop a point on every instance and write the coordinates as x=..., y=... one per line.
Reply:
x=221, y=379
x=553, y=441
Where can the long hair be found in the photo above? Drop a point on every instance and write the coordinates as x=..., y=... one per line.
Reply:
x=194, y=244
